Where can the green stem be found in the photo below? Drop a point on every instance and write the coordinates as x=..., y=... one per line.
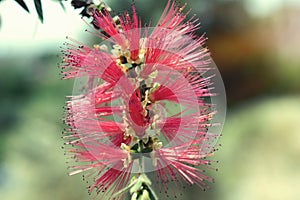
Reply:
x=141, y=158
x=142, y=190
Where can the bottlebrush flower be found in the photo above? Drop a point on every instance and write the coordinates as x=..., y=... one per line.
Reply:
x=145, y=104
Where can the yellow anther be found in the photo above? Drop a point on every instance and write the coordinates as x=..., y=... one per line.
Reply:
x=96, y=46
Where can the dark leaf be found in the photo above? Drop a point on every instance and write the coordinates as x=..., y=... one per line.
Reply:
x=39, y=9
x=22, y=4
x=80, y=3
x=62, y=5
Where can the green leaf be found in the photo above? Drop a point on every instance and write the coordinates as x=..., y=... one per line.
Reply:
x=39, y=10
x=22, y=4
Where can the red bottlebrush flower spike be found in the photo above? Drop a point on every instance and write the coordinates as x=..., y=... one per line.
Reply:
x=143, y=101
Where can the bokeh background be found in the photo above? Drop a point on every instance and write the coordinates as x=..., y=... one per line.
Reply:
x=255, y=44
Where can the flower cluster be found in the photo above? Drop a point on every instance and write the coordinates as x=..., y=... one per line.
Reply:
x=144, y=104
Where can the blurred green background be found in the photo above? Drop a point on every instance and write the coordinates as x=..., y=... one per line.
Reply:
x=254, y=43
